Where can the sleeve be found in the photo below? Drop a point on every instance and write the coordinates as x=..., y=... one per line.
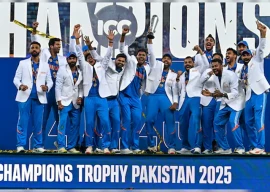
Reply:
x=259, y=56
x=49, y=81
x=233, y=87
x=203, y=63
x=106, y=59
x=175, y=92
x=96, y=56
x=178, y=87
x=151, y=56
x=80, y=56
x=205, y=76
x=124, y=49
x=59, y=85
x=18, y=76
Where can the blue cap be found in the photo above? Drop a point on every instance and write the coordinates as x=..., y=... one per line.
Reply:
x=85, y=48
x=71, y=54
x=242, y=43
x=246, y=51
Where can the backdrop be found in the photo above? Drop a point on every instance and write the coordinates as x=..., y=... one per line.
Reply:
x=9, y=111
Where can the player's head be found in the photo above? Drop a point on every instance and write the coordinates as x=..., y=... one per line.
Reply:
x=71, y=59
x=246, y=56
x=55, y=45
x=88, y=57
x=231, y=55
x=34, y=49
x=120, y=60
x=188, y=63
x=217, y=67
x=218, y=56
x=209, y=42
x=167, y=60
x=141, y=56
x=241, y=46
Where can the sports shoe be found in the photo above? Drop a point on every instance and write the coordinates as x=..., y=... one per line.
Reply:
x=257, y=151
x=137, y=151
x=184, y=151
x=74, y=151
x=171, y=151
x=99, y=151
x=152, y=149
x=62, y=150
x=106, y=151
x=239, y=151
x=39, y=150
x=20, y=150
x=196, y=150
x=115, y=151
x=126, y=151
x=89, y=150
x=207, y=152
x=222, y=151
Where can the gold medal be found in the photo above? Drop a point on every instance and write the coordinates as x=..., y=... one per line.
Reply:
x=54, y=74
x=95, y=84
x=50, y=59
x=34, y=81
x=161, y=85
x=56, y=62
x=75, y=80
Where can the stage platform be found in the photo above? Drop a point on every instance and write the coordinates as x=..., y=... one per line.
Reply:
x=142, y=171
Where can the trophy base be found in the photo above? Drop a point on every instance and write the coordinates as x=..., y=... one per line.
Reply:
x=150, y=36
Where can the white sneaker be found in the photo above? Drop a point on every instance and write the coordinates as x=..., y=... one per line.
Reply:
x=89, y=150
x=62, y=150
x=115, y=151
x=136, y=151
x=257, y=151
x=20, y=150
x=239, y=151
x=106, y=151
x=99, y=151
x=126, y=151
x=171, y=151
x=222, y=151
x=196, y=150
x=74, y=151
x=152, y=149
x=248, y=152
x=184, y=151
x=207, y=152
x=39, y=150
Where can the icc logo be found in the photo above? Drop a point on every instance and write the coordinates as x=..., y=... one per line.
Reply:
x=113, y=17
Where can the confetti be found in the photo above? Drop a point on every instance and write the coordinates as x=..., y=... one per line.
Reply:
x=188, y=42
x=230, y=21
x=174, y=28
x=235, y=44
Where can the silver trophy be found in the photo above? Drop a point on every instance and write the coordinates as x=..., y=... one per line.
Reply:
x=153, y=26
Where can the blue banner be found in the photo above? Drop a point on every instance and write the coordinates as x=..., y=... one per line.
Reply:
x=138, y=172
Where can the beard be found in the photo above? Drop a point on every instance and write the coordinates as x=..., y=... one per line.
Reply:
x=72, y=64
x=34, y=54
x=246, y=61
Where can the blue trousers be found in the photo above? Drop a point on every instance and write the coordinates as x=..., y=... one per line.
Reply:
x=131, y=113
x=254, y=118
x=114, y=116
x=34, y=108
x=191, y=109
x=208, y=115
x=156, y=103
x=95, y=105
x=74, y=116
x=227, y=114
x=51, y=105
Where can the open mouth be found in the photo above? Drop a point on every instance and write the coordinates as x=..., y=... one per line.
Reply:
x=208, y=45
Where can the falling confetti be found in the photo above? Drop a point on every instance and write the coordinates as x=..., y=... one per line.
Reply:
x=235, y=44
x=188, y=42
x=230, y=21
x=174, y=28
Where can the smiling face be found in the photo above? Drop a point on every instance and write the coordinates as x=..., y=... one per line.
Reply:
x=217, y=68
x=141, y=57
x=230, y=56
x=241, y=48
x=188, y=63
x=167, y=62
x=209, y=43
x=246, y=58
x=120, y=62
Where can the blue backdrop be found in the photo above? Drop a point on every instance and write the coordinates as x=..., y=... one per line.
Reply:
x=9, y=110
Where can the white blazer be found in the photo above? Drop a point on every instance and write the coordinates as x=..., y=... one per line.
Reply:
x=155, y=76
x=229, y=85
x=65, y=89
x=87, y=69
x=194, y=86
x=256, y=79
x=207, y=82
x=130, y=69
x=61, y=59
x=24, y=75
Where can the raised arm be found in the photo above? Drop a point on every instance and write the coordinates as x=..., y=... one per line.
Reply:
x=201, y=60
x=259, y=56
x=122, y=47
x=151, y=55
x=206, y=75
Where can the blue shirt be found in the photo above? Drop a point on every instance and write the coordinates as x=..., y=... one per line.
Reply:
x=219, y=79
x=95, y=85
x=209, y=55
x=161, y=87
x=33, y=93
x=244, y=72
x=233, y=68
x=186, y=77
x=75, y=76
x=54, y=66
x=133, y=89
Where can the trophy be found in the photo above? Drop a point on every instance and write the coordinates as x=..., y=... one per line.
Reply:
x=160, y=141
x=152, y=28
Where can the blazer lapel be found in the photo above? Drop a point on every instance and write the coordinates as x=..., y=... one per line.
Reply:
x=70, y=74
x=29, y=66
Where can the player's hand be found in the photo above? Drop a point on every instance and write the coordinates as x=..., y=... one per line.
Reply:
x=206, y=92
x=111, y=35
x=87, y=41
x=44, y=88
x=197, y=49
x=79, y=101
x=179, y=73
x=35, y=24
x=76, y=32
x=23, y=87
x=210, y=73
x=174, y=106
x=125, y=30
x=217, y=93
x=60, y=106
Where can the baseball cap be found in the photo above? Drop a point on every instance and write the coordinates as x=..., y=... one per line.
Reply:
x=242, y=43
x=167, y=55
x=85, y=48
x=247, y=51
x=71, y=54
